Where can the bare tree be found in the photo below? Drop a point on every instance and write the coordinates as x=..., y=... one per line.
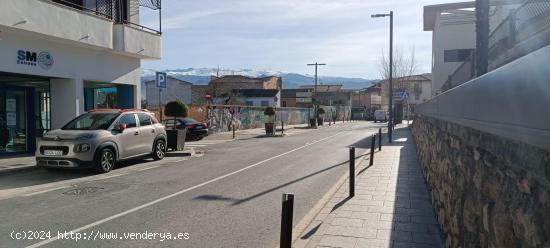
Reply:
x=403, y=65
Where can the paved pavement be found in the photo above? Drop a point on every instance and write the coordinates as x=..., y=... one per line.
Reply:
x=391, y=208
x=229, y=197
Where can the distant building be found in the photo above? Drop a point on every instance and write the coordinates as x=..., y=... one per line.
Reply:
x=417, y=87
x=324, y=87
x=222, y=87
x=175, y=90
x=257, y=97
x=453, y=38
x=297, y=98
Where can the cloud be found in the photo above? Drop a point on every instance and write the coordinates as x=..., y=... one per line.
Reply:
x=283, y=35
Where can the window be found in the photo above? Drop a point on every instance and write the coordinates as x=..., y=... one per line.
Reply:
x=92, y=121
x=457, y=55
x=249, y=103
x=129, y=120
x=144, y=119
x=284, y=103
x=265, y=103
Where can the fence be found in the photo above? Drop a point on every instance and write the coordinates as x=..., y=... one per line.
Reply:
x=222, y=117
x=463, y=74
x=524, y=24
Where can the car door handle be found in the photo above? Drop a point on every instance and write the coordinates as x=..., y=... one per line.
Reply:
x=152, y=130
x=136, y=133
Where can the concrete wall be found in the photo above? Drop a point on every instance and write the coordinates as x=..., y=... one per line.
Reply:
x=488, y=191
x=176, y=90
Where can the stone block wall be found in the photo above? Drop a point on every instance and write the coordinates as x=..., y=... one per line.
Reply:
x=488, y=191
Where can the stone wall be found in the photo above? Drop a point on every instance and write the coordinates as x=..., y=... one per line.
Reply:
x=488, y=191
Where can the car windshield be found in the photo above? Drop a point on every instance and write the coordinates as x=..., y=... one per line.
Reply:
x=92, y=121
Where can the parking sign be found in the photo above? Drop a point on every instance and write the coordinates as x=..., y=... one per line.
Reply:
x=161, y=80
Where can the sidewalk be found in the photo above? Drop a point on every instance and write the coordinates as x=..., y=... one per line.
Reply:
x=9, y=164
x=391, y=207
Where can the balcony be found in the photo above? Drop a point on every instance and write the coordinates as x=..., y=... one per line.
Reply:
x=97, y=24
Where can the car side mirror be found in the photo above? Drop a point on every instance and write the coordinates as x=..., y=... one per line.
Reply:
x=121, y=127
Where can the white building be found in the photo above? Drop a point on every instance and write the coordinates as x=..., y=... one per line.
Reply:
x=453, y=38
x=175, y=90
x=61, y=58
x=259, y=97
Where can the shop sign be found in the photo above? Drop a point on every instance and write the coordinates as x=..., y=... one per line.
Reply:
x=11, y=105
x=42, y=59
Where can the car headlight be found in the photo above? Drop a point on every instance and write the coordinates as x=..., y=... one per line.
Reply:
x=82, y=148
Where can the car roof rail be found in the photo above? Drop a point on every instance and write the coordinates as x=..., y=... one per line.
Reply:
x=103, y=110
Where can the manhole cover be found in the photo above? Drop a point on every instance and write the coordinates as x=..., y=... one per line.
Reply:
x=83, y=191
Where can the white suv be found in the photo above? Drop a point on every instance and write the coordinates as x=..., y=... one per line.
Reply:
x=100, y=138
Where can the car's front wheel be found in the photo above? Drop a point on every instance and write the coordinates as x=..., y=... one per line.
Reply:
x=105, y=160
x=160, y=150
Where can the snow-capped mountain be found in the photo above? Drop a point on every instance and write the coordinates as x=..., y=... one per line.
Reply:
x=201, y=76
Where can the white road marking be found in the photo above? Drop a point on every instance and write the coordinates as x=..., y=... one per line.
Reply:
x=129, y=211
x=45, y=191
x=181, y=160
x=195, y=145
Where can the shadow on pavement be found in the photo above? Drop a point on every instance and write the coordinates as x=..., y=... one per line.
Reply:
x=40, y=176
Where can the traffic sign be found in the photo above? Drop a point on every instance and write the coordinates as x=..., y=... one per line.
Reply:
x=404, y=95
x=161, y=80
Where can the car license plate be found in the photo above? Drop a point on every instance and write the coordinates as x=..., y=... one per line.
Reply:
x=53, y=152
x=199, y=126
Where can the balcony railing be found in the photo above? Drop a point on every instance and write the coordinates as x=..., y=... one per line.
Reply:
x=118, y=11
x=526, y=27
x=463, y=74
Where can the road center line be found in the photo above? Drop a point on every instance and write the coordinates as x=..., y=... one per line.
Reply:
x=99, y=222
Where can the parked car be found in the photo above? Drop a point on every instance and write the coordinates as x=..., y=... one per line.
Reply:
x=380, y=115
x=195, y=130
x=100, y=138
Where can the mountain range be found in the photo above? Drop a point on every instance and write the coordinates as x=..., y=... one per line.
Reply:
x=201, y=76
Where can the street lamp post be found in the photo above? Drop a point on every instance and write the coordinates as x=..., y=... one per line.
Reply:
x=315, y=105
x=390, y=121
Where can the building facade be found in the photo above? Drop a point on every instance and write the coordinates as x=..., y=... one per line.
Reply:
x=453, y=38
x=417, y=88
x=61, y=59
x=222, y=87
x=176, y=89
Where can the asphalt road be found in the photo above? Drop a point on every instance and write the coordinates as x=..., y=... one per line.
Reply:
x=229, y=196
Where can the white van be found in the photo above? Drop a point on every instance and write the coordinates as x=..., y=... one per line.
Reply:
x=380, y=115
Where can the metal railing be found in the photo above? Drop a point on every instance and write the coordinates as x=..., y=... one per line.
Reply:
x=463, y=74
x=113, y=10
x=522, y=25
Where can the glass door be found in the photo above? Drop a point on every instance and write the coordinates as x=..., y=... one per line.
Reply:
x=13, y=121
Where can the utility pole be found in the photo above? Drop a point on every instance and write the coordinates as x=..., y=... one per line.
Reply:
x=315, y=104
x=390, y=121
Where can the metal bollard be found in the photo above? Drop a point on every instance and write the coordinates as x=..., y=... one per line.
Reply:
x=282, y=127
x=286, y=220
x=380, y=139
x=351, y=171
x=233, y=131
x=372, y=145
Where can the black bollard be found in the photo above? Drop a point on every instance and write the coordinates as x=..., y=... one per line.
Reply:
x=380, y=139
x=282, y=127
x=372, y=145
x=233, y=131
x=286, y=220
x=351, y=171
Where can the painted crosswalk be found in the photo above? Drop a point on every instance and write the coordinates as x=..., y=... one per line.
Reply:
x=205, y=143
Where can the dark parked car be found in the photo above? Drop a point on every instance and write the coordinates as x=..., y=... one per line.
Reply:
x=195, y=130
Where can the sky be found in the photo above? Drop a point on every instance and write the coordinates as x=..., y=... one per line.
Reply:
x=285, y=35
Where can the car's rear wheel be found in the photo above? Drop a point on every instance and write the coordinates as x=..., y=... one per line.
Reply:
x=159, y=152
x=105, y=160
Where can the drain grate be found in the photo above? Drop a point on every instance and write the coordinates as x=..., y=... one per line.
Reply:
x=82, y=191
